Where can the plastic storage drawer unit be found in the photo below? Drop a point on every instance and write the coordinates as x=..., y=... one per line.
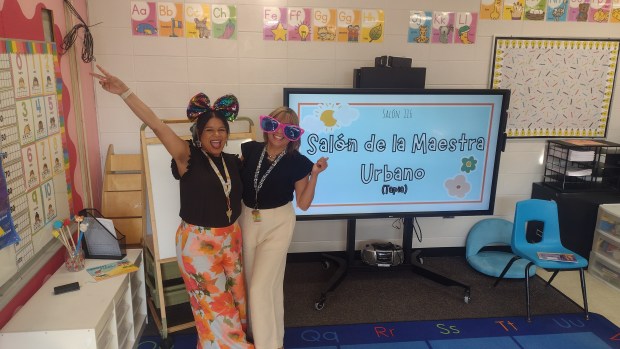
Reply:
x=605, y=256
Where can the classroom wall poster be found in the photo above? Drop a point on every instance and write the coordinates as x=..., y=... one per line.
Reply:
x=373, y=24
x=348, y=25
x=197, y=21
x=31, y=143
x=513, y=10
x=170, y=19
x=275, y=26
x=419, y=27
x=143, y=18
x=599, y=11
x=443, y=28
x=578, y=10
x=466, y=27
x=491, y=9
x=224, y=19
x=299, y=24
x=324, y=24
x=535, y=10
x=615, y=12
x=557, y=10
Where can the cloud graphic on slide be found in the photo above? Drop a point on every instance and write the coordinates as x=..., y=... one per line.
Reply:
x=329, y=117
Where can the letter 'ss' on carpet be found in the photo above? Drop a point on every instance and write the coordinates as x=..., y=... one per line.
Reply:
x=561, y=331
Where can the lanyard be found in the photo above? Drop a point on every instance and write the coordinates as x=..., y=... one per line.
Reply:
x=227, y=186
x=258, y=185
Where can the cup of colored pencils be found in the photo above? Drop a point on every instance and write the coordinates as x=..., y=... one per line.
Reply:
x=74, y=254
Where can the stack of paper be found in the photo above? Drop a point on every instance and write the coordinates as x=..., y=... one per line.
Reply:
x=581, y=155
x=577, y=172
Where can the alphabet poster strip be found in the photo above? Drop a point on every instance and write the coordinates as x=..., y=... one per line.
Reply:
x=559, y=87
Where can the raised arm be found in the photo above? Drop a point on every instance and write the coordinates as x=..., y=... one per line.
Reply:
x=177, y=147
x=305, y=187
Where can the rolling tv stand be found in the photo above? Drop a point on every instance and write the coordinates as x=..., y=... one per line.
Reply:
x=411, y=261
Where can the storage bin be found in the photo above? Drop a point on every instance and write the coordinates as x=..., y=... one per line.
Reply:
x=604, y=269
x=604, y=261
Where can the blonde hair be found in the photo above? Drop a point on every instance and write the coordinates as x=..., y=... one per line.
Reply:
x=286, y=115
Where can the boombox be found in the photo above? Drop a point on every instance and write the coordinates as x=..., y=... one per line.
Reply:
x=382, y=254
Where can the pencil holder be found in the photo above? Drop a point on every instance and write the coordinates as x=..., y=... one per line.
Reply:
x=74, y=262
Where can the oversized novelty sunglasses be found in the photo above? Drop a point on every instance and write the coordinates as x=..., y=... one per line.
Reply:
x=271, y=125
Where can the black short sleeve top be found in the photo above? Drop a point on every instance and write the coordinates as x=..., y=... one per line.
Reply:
x=279, y=186
x=203, y=201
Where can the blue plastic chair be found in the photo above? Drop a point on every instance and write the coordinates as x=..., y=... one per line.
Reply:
x=493, y=232
x=546, y=212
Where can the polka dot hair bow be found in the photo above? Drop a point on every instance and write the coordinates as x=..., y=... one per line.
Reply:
x=227, y=105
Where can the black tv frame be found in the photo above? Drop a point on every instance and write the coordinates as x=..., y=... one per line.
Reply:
x=500, y=146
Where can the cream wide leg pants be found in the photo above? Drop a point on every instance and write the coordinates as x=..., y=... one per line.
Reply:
x=265, y=245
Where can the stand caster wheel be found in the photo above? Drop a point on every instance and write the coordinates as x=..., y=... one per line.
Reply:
x=325, y=265
x=320, y=304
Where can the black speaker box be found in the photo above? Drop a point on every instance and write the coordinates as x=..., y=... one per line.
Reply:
x=384, y=77
x=399, y=62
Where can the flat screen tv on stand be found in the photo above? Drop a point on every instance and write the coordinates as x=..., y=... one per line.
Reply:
x=401, y=153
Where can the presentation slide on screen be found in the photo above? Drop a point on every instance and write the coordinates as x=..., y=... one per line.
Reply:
x=401, y=153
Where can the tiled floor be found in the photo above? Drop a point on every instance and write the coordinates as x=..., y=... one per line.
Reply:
x=602, y=298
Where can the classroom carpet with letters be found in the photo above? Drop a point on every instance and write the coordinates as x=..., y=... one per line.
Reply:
x=566, y=331
x=400, y=309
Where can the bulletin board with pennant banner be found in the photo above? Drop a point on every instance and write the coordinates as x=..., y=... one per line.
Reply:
x=33, y=144
x=559, y=87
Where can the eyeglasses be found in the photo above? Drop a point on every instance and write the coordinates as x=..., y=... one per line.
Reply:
x=271, y=125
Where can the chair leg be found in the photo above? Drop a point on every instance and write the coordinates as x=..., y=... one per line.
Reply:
x=555, y=272
x=501, y=276
x=527, y=291
x=583, y=292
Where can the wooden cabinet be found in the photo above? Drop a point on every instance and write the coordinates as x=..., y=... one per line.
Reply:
x=108, y=314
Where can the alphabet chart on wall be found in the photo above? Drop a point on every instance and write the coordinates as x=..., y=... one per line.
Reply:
x=559, y=87
x=31, y=141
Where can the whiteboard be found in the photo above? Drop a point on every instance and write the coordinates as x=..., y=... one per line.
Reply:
x=559, y=87
x=162, y=201
x=33, y=141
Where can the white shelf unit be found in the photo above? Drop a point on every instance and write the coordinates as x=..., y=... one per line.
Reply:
x=109, y=314
x=605, y=255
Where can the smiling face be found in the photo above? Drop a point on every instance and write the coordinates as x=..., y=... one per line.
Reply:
x=214, y=136
x=276, y=140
